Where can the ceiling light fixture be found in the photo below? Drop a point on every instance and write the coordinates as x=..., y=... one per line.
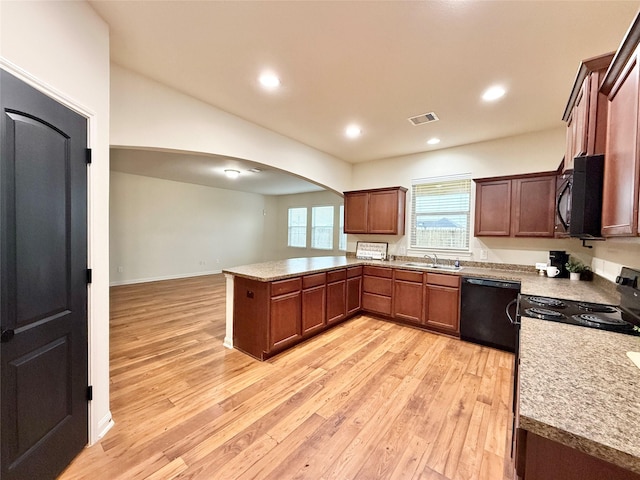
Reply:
x=493, y=93
x=433, y=141
x=269, y=80
x=353, y=131
x=232, y=173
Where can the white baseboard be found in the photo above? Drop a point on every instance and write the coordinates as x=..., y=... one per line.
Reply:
x=166, y=277
x=228, y=342
x=104, y=425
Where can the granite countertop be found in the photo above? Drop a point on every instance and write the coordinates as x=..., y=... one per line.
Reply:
x=579, y=388
x=530, y=283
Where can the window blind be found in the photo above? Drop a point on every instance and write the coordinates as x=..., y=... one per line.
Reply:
x=440, y=216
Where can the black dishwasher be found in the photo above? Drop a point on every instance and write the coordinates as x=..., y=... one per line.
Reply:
x=485, y=316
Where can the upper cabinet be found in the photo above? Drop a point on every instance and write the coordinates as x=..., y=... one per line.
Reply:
x=621, y=189
x=586, y=111
x=516, y=206
x=378, y=211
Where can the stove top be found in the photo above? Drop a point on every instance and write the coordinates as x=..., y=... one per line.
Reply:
x=591, y=315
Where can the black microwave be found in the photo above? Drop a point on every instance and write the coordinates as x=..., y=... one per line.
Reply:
x=579, y=198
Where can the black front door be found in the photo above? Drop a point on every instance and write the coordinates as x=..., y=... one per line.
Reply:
x=43, y=283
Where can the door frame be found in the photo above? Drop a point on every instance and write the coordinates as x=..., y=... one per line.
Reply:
x=96, y=428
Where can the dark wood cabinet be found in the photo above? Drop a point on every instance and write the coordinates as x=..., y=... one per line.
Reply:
x=586, y=111
x=378, y=211
x=314, y=294
x=442, y=303
x=336, y=295
x=493, y=208
x=284, y=326
x=269, y=317
x=621, y=189
x=354, y=290
x=377, y=289
x=540, y=458
x=408, y=296
x=516, y=206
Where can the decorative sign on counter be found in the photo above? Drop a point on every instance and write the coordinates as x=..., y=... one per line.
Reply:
x=371, y=250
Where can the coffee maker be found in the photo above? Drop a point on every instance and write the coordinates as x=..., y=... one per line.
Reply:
x=559, y=258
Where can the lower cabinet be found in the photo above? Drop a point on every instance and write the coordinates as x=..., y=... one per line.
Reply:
x=285, y=327
x=271, y=316
x=408, y=296
x=336, y=295
x=442, y=299
x=377, y=289
x=539, y=458
x=354, y=290
x=314, y=303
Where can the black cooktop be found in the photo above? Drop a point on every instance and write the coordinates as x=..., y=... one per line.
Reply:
x=591, y=315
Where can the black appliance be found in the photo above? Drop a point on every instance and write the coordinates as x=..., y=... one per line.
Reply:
x=623, y=318
x=559, y=259
x=579, y=198
x=484, y=312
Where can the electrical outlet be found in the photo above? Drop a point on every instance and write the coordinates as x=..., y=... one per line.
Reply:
x=120, y=269
x=484, y=254
x=217, y=260
x=541, y=266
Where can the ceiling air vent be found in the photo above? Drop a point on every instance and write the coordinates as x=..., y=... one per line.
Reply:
x=424, y=118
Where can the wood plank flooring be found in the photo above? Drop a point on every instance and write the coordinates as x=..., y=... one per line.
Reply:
x=368, y=399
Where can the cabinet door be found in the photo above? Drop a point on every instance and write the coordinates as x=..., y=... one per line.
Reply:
x=568, y=155
x=622, y=159
x=313, y=309
x=493, y=208
x=533, y=206
x=443, y=309
x=384, y=215
x=354, y=294
x=336, y=301
x=284, y=321
x=407, y=301
x=579, y=123
x=356, y=210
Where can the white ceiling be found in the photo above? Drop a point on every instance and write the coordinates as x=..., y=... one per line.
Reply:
x=375, y=63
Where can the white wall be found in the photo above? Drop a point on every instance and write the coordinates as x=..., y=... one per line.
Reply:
x=62, y=48
x=532, y=152
x=145, y=113
x=162, y=229
x=283, y=202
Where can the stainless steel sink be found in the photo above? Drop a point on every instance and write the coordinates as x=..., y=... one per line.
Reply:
x=448, y=268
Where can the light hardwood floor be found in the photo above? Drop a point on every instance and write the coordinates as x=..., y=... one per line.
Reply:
x=368, y=399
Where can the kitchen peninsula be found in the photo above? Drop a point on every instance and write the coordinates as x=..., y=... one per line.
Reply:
x=547, y=385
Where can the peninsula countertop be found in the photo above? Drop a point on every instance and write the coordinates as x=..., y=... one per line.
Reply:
x=579, y=388
x=530, y=283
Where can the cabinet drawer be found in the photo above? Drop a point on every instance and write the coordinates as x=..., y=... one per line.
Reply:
x=444, y=280
x=380, y=286
x=285, y=286
x=354, y=272
x=336, y=275
x=383, y=272
x=314, y=280
x=376, y=303
x=409, y=276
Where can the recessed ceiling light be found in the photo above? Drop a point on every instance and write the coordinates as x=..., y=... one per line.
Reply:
x=353, y=131
x=269, y=80
x=493, y=93
x=433, y=141
x=232, y=173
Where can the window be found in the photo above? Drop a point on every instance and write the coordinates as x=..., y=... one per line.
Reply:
x=440, y=213
x=322, y=227
x=342, y=237
x=297, y=227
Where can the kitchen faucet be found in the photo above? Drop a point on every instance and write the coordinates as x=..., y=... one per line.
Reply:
x=434, y=258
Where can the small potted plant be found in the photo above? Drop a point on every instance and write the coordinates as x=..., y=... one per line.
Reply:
x=575, y=268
